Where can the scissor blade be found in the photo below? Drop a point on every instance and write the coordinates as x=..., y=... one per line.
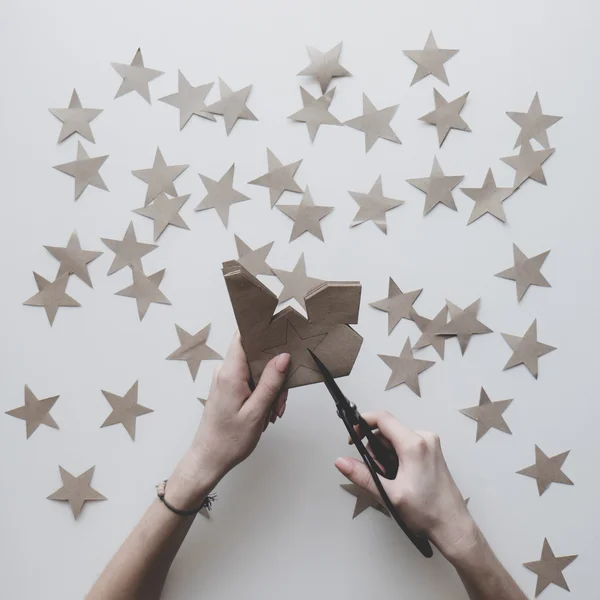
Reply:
x=328, y=379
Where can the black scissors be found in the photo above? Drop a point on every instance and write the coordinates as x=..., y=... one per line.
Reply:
x=386, y=457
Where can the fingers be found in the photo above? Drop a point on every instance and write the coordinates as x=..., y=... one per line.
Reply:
x=235, y=363
x=269, y=386
x=357, y=472
x=400, y=436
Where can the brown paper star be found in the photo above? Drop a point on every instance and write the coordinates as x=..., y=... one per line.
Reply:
x=189, y=100
x=315, y=112
x=136, y=77
x=193, y=349
x=533, y=124
x=254, y=261
x=526, y=350
x=463, y=324
x=526, y=271
x=488, y=199
x=364, y=500
x=76, y=490
x=232, y=105
x=51, y=295
x=125, y=410
x=75, y=119
x=164, y=211
x=160, y=177
x=375, y=123
x=34, y=412
x=145, y=290
x=446, y=115
x=429, y=329
x=405, y=368
x=528, y=164
x=547, y=470
x=279, y=178
x=430, y=60
x=128, y=251
x=324, y=66
x=437, y=187
x=296, y=283
x=306, y=216
x=549, y=569
x=398, y=305
x=488, y=414
x=373, y=206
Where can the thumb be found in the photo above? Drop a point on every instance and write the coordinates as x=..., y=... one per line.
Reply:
x=357, y=472
x=270, y=384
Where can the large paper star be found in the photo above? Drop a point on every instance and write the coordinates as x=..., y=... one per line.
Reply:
x=488, y=415
x=51, y=295
x=324, y=66
x=189, y=100
x=446, y=115
x=306, y=216
x=193, y=349
x=160, y=178
x=145, y=290
x=232, y=105
x=76, y=490
x=125, y=410
x=373, y=206
x=398, y=305
x=549, y=569
x=75, y=119
x=296, y=283
x=534, y=124
x=279, y=178
x=463, y=324
x=430, y=60
x=315, y=112
x=429, y=329
x=526, y=350
x=405, y=368
x=164, y=211
x=547, y=470
x=128, y=251
x=526, y=271
x=437, y=187
x=528, y=164
x=364, y=500
x=488, y=199
x=136, y=77
x=254, y=261
x=375, y=123
x=34, y=412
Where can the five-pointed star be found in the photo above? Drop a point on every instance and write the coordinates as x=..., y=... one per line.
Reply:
x=488, y=199
x=528, y=164
x=76, y=490
x=375, y=123
x=189, y=100
x=373, y=206
x=488, y=414
x=549, y=569
x=160, y=178
x=405, y=368
x=534, y=124
x=51, y=295
x=315, y=112
x=232, y=105
x=125, y=410
x=193, y=349
x=430, y=60
x=136, y=77
x=437, y=187
x=526, y=271
x=84, y=170
x=324, y=66
x=254, y=261
x=463, y=324
x=128, y=251
x=429, y=328
x=526, y=350
x=296, y=283
x=76, y=119
x=306, y=216
x=34, y=412
x=364, y=500
x=145, y=290
x=73, y=260
x=547, y=470
x=398, y=305
x=446, y=115
x=279, y=178
x=164, y=211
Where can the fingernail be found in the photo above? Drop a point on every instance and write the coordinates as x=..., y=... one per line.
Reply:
x=343, y=465
x=283, y=409
x=280, y=411
x=282, y=362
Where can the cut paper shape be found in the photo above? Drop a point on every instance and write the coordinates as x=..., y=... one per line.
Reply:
x=547, y=470
x=128, y=251
x=526, y=350
x=430, y=60
x=549, y=569
x=76, y=490
x=164, y=211
x=254, y=261
x=373, y=206
x=437, y=187
x=446, y=115
x=232, y=105
x=334, y=303
x=76, y=119
x=364, y=500
x=145, y=290
x=488, y=199
x=315, y=112
x=136, y=77
x=526, y=271
x=306, y=216
x=35, y=412
x=429, y=331
x=73, y=260
x=296, y=283
x=189, y=100
x=534, y=124
x=324, y=66
x=279, y=178
x=488, y=415
x=51, y=295
x=405, y=368
x=528, y=164
x=203, y=401
x=193, y=349
x=160, y=177
x=375, y=123
x=398, y=305
x=463, y=324
x=125, y=410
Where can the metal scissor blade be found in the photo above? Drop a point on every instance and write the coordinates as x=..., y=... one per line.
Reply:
x=328, y=379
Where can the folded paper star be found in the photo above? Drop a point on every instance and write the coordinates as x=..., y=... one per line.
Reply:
x=254, y=261
x=528, y=164
x=375, y=123
x=324, y=66
x=193, y=349
x=315, y=112
x=364, y=500
x=306, y=216
x=34, y=412
x=488, y=415
x=189, y=100
x=128, y=251
x=125, y=410
x=488, y=199
x=279, y=178
x=446, y=115
x=73, y=260
x=296, y=283
x=51, y=295
x=373, y=206
x=145, y=290
x=164, y=211
x=534, y=124
x=549, y=569
x=398, y=305
x=526, y=350
x=547, y=470
x=405, y=368
x=136, y=77
x=463, y=324
x=232, y=105
x=437, y=187
x=526, y=271
x=430, y=60
x=75, y=119
x=76, y=490
x=429, y=329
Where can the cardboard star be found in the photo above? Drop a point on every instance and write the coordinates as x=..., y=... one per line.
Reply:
x=429, y=329
x=324, y=66
x=488, y=414
x=306, y=216
x=526, y=271
x=534, y=124
x=373, y=206
x=136, y=77
x=232, y=105
x=203, y=401
x=74, y=260
x=164, y=211
x=160, y=178
x=526, y=350
x=375, y=123
x=315, y=112
x=279, y=178
x=364, y=500
x=75, y=119
x=528, y=164
x=488, y=199
x=463, y=324
x=549, y=569
x=145, y=290
x=128, y=251
x=405, y=368
x=446, y=115
x=193, y=349
x=430, y=60
x=76, y=490
x=34, y=412
x=125, y=410
x=437, y=187
x=51, y=295
x=547, y=470
x=296, y=283
x=398, y=305
x=254, y=261
x=189, y=100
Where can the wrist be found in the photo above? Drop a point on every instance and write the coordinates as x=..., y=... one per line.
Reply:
x=458, y=539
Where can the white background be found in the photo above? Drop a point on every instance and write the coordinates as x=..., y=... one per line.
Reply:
x=282, y=527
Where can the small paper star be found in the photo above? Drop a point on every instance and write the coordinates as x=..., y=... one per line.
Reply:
x=136, y=77
x=76, y=119
x=145, y=290
x=125, y=410
x=547, y=470
x=528, y=164
x=488, y=415
x=488, y=199
x=526, y=271
x=463, y=324
x=76, y=490
x=405, y=368
x=398, y=305
x=375, y=123
x=164, y=211
x=254, y=261
x=296, y=283
x=51, y=295
x=128, y=251
x=324, y=66
x=193, y=349
x=526, y=350
x=160, y=178
x=373, y=206
x=34, y=412
x=279, y=178
x=446, y=115
x=549, y=569
x=364, y=500
x=429, y=329
x=534, y=124
x=430, y=60
x=437, y=187
x=315, y=112
x=306, y=216
x=202, y=401
x=232, y=105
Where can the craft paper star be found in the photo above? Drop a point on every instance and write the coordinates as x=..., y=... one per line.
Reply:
x=405, y=368
x=526, y=350
x=279, y=178
x=306, y=216
x=254, y=261
x=128, y=251
x=136, y=77
x=430, y=60
x=446, y=115
x=34, y=412
x=203, y=401
x=324, y=66
x=375, y=123
x=364, y=500
x=373, y=206
x=528, y=164
x=526, y=271
x=160, y=178
x=232, y=105
x=145, y=290
x=463, y=324
x=488, y=199
x=73, y=260
x=547, y=470
x=76, y=119
x=51, y=295
x=193, y=349
x=549, y=569
x=437, y=187
x=315, y=112
x=398, y=305
x=76, y=490
x=429, y=329
x=534, y=124
x=164, y=211
x=189, y=100
x=488, y=414
x=296, y=283
x=125, y=410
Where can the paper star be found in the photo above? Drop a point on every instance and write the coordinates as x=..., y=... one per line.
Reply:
x=160, y=178
x=324, y=66
x=528, y=164
x=375, y=123
x=437, y=187
x=51, y=295
x=193, y=349
x=125, y=410
x=73, y=260
x=488, y=414
x=373, y=206
x=145, y=290
x=254, y=261
x=164, y=211
x=75, y=119
x=430, y=60
x=547, y=470
x=34, y=412
x=488, y=199
x=306, y=216
x=446, y=115
x=232, y=105
x=429, y=329
x=128, y=251
x=296, y=283
x=279, y=178
x=405, y=368
x=526, y=350
x=398, y=305
x=315, y=112
x=76, y=490
x=526, y=271
x=364, y=500
x=202, y=401
x=534, y=124
x=549, y=569
x=136, y=77
x=463, y=324
x=189, y=100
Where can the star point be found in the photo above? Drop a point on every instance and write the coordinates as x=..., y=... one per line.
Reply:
x=430, y=60
x=429, y=329
x=526, y=271
x=279, y=178
x=306, y=216
x=446, y=115
x=51, y=295
x=547, y=470
x=437, y=187
x=193, y=349
x=34, y=412
x=125, y=410
x=374, y=206
x=464, y=324
x=549, y=569
x=136, y=77
x=488, y=199
x=405, y=368
x=364, y=500
x=232, y=105
x=528, y=164
x=488, y=415
x=76, y=490
x=526, y=350
x=315, y=112
x=398, y=304
x=145, y=290
x=128, y=251
x=160, y=177
x=73, y=260
x=76, y=119
x=254, y=261
x=296, y=283
x=375, y=123
x=324, y=66
x=164, y=211
x=534, y=124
